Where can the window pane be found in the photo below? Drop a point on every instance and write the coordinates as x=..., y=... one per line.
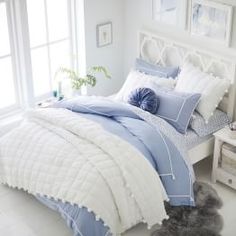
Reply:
x=57, y=19
x=40, y=70
x=37, y=24
x=60, y=56
x=7, y=90
x=4, y=35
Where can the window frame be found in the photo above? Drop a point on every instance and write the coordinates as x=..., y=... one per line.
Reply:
x=19, y=40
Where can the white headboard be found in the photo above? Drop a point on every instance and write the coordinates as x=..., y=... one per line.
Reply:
x=156, y=49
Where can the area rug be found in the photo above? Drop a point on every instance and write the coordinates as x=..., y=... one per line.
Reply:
x=202, y=220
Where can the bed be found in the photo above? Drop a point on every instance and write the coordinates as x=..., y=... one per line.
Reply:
x=102, y=192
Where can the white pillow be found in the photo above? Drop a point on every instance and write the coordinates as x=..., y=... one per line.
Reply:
x=137, y=79
x=212, y=89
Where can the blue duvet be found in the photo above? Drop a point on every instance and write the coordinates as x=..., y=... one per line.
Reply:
x=119, y=119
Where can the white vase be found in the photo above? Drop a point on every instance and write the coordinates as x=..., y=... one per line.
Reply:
x=84, y=90
x=76, y=93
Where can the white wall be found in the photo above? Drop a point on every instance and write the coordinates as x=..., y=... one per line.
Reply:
x=96, y=12
x=138, y=15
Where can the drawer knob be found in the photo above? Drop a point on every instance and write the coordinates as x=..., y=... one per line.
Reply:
x=230, y=181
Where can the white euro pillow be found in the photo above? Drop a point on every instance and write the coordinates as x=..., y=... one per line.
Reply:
x=212, y=89
x=136, y=79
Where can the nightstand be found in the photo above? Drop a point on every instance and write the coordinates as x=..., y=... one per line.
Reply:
x=47, y=103
x=219, y=173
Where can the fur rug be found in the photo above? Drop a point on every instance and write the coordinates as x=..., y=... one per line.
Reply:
x=202, y=220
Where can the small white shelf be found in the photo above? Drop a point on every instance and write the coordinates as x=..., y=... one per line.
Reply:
x=224, y=135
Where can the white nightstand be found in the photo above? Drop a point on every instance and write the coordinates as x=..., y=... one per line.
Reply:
x=218, y=173
x=47, y=103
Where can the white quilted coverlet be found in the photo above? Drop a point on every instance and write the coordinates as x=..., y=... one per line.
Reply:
x=62, y=155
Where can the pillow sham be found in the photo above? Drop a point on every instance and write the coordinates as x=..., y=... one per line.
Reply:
x=216, y=122
x=156, y=70
x=137, y=79
x=192, y=80
x=144, y=98
x=177, y=108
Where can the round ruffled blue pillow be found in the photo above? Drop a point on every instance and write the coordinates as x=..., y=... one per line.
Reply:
x=144, y=98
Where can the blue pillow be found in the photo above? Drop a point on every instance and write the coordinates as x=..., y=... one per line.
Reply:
x=156, y=70
x=144, y=98
x=177, y=108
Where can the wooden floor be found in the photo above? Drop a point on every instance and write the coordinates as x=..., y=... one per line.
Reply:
x=22, y=215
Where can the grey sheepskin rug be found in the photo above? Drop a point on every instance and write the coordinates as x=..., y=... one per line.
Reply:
x=202, y=220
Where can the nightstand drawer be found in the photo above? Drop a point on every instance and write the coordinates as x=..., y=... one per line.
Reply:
x=226, y=178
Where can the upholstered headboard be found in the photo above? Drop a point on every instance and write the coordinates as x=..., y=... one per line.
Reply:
x=156, y=49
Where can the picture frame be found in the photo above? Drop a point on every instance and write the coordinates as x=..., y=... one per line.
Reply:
x=170, y=12
x=104, y=34
x=211, y=21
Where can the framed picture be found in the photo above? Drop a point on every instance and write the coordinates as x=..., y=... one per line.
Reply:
x=211, y=20
x=171, y=12
x=104, y=34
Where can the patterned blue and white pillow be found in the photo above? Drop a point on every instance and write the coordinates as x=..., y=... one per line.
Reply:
x=177, y=108
x=216, y=122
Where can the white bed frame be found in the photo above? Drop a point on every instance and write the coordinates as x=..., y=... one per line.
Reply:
x=156, y=49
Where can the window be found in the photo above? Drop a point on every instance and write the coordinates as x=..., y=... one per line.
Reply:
x=50, y=41
x=37, y=37
x=7, y=85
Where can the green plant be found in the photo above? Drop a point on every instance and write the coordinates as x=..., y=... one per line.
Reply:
x=78, y=81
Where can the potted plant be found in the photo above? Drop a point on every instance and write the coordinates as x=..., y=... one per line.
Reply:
x=77, y=81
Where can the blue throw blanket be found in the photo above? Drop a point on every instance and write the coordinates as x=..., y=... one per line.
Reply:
x=155, y=145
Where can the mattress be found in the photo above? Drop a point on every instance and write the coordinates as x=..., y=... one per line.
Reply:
x=192, y=139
